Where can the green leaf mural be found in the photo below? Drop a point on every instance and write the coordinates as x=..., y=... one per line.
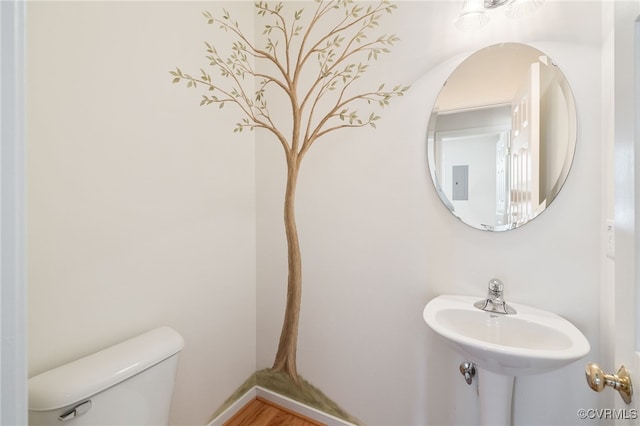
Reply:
x=316, y=60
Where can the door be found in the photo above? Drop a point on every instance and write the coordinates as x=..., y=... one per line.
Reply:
x=13, y=363
x=627, y=207
x=502, y=171
x=524, y=166
x=621, y=287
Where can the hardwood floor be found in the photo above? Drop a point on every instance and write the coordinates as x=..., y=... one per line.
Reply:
x=261, y=412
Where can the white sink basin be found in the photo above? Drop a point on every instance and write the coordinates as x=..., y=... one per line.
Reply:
x=531, y=341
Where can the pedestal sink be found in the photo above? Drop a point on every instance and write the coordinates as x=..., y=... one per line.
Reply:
x=502, y=346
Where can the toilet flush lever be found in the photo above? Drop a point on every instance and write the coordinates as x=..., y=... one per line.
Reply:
x=621, y=381
x=468, y=370
x=76, y=411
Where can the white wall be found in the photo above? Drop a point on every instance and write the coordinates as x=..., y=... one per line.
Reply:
x=377, y=244
x=478, y=153
x=142, y=211
x=141, y=203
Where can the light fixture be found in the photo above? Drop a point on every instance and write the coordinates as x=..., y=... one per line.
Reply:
x=519, y=8
x=491, y=4
x=473, y=16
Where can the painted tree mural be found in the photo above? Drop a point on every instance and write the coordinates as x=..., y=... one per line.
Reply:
x=316, y=62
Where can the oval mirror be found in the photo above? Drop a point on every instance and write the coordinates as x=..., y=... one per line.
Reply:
x=501, y=137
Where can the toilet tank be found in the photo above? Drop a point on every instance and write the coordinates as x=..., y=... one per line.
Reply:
x=130, y=383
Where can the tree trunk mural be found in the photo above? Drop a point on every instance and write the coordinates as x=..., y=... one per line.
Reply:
x=329, y=51
x=286, y=354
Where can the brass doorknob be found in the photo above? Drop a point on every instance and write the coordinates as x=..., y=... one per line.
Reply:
x=621, y=381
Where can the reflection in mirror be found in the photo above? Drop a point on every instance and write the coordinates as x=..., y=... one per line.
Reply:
x=501, y=137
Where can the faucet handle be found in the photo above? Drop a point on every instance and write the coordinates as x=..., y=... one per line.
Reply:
x=495, y=286
x=494, y=301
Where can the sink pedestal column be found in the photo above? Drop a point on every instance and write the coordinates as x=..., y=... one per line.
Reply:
x=495, y=393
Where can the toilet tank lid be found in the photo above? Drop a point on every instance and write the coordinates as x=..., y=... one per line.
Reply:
x=85, y=377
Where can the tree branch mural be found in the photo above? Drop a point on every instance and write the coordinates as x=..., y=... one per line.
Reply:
x=316, y=62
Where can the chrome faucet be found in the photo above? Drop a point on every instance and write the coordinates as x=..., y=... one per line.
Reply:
x=494, y=301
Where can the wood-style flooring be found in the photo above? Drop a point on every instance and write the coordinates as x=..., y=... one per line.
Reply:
x=261, y=412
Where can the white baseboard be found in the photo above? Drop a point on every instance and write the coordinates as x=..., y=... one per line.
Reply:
x=282, y=401
x=234, y=408
x=301, y=408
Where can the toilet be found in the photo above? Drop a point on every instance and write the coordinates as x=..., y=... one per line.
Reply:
x=130, y=383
